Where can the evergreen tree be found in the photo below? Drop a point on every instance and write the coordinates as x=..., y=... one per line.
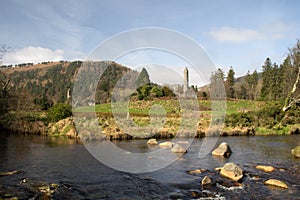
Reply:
x=289, y=74
x=276, y=81
x=266, y=79
x=217, y=85
x=217, y=76
x=230, y=83
x=254, y=79
x=249, y=82
x=143, y=78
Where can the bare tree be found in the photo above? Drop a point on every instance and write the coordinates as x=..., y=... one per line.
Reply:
x=4, y=82
x=293, y=98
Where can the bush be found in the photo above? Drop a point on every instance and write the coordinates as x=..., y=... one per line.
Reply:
x=267, y=117
x=58, y=112
x=240, y=120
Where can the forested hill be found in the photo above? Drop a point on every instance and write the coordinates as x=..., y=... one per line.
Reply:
x=39, y=86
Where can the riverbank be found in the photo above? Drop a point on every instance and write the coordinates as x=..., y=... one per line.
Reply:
x=242, y=118
x=111, y=131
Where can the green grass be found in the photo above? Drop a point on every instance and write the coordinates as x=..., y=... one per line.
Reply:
x=171, y=106
x=238, y=106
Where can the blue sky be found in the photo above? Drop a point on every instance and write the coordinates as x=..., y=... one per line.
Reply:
x=233, y=33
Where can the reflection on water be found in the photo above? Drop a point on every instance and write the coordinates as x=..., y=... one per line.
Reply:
x=79, y=175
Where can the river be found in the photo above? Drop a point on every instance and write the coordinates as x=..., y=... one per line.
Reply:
x=76, y=174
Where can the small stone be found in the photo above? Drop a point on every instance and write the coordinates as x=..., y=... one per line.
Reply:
x=196, y=171
x=152, y=142
x=275, y=182
x=218, y=168
x=222, y=150
x=178, y=149
x=182, y=142
x=255, y=178
x=206, y=181
x=166, y=144
x=265, y=168
x=296, y=152
x=232, y=171
x=53, y=186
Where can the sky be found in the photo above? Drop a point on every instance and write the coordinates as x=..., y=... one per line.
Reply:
x=237, y=33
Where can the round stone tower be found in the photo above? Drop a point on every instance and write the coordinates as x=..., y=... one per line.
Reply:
x=185, y=80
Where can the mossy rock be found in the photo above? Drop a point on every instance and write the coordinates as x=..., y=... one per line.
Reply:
x=296, y=152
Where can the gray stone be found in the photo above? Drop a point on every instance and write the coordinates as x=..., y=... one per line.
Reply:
x=296, y=152
x=166, y=144
x=222, y=150
x=178, y=149
x=152, y=142
x=232, y=171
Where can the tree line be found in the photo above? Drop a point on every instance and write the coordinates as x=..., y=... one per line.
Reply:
x=275, y=82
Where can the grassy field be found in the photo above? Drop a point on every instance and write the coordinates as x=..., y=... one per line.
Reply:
x=141, y=111
x=172, y=106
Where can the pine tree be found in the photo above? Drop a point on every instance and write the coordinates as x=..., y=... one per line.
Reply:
x=230, y=83
x=254, y=78
x=216, y=88
x=143, y=78
x=276, y=78
x=266, y=79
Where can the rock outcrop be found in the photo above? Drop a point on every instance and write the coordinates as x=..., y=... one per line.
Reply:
x=296, y=152
x=232, y=171
x=277, y=183
x=222, y=150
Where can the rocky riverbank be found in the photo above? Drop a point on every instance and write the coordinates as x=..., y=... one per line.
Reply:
x=110, y=129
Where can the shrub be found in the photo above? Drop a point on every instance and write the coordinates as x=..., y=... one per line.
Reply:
x=58, y=112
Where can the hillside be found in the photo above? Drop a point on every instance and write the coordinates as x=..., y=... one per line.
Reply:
x=42, y=85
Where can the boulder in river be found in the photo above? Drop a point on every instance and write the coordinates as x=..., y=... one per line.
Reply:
x=296, y=152
x=152, y=142
x=166, y=144
x=232, y=171
x=178, y=149
x=277, y=183
x=222, y=150
x=265, y=168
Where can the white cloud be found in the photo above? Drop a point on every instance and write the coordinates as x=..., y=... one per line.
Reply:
x=273, y=31
x=235, y=35
x=32, y=55
x=278, y=30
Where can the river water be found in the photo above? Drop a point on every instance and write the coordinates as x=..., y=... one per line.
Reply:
x=41, y=161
